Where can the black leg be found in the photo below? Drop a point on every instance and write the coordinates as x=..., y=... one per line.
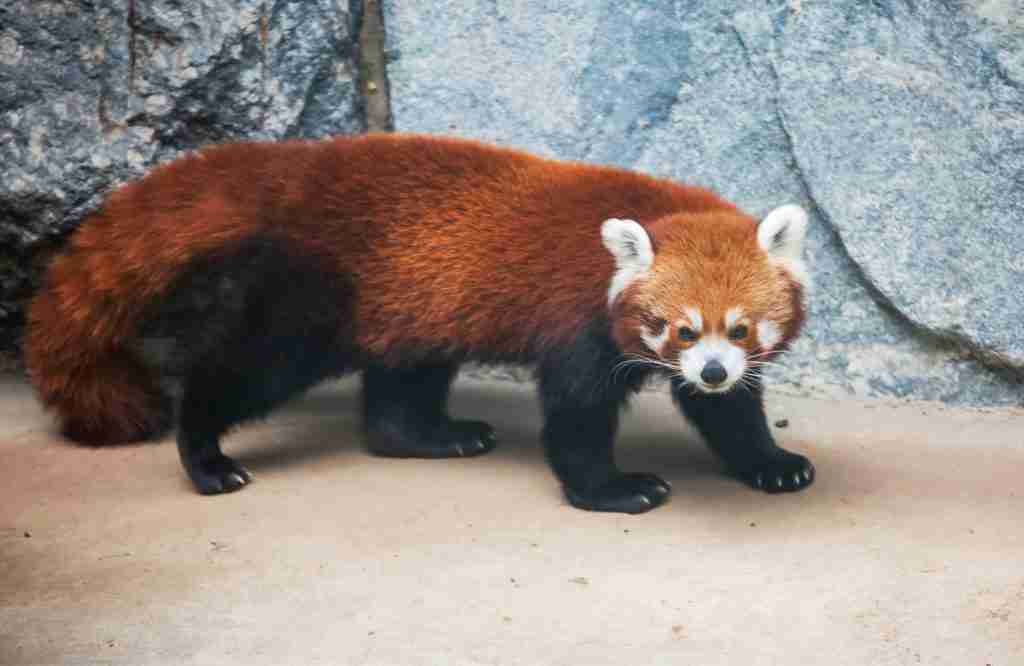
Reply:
x=259, y=325
x=246, y=382
x=735, y=427
x=199, y=431
x=405, y=414
x=581, y=415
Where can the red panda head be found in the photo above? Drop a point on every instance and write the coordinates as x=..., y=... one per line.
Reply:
x=707, y=296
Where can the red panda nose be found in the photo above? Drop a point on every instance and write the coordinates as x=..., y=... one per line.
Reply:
x=713, y=373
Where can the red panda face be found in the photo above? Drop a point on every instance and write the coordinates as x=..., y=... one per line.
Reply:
x=708, y=297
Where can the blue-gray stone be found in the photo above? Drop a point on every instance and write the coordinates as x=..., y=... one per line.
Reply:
x=914, y=151
x=897, y=124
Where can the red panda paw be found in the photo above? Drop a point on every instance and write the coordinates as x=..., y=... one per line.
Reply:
x=786, y=472
x=627, y=493
x=219, y=475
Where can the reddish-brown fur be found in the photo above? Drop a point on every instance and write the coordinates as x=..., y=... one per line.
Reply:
x=453, y=245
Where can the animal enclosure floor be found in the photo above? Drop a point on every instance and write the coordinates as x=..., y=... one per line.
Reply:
x=908, y=549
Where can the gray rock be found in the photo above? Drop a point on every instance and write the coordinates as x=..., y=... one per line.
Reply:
x=92, y=94
x=849, y=111
x=914, y=152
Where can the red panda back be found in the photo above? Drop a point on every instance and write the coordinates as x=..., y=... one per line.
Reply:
x=462, y=245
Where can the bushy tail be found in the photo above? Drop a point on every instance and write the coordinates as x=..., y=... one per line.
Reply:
x=76, y=348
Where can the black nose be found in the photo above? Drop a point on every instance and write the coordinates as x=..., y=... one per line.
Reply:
x=713, y=373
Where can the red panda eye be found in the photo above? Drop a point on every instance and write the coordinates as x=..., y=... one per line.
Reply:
x=738, y=332
x=687, y=334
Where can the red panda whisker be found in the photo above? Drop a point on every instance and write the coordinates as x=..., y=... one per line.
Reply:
x=754, y=359
x=747, y=379
x=629, y=363
x=636, y=361
x=763, y=364
x=625, y=366
x=768, y=353
x=650, y=360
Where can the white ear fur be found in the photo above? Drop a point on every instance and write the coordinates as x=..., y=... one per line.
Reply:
x=781, y=234
x=631, y=246
x=628, y=242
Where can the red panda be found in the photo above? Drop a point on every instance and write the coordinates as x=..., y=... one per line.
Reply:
x=275, y=266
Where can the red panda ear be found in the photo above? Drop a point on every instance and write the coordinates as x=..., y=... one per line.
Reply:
x=781, y=233
x=631, y=246
x=628, y=242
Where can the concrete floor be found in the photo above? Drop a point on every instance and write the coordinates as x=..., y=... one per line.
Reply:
x=908, y=549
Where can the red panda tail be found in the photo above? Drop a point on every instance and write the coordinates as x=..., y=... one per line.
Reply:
x=77, y=356
x=84, y=321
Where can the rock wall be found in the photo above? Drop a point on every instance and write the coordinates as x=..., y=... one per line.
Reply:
x=92, y=94
x=899, y=125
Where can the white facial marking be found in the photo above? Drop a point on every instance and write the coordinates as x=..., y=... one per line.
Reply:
x=768, y=334
x=732, y=316
x=781, y=234
x=732, y=358
x=655, y=342
x=631, y=246
x=696, y=321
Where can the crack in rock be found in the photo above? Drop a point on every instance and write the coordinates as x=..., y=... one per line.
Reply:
x=849, y=164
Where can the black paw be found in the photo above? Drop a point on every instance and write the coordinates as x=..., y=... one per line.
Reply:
x=786, y=473
x=453, y=439
x=219, y=475
x=629, y=493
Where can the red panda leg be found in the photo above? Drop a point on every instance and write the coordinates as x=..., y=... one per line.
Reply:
x=282, y=330
x=207, y=404
x=405, y=414
x=246, y=379
x=735, y=427
x=582, y=398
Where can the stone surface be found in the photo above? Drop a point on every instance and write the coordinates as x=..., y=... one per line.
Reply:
x=900, y=129
x=915, y=153
x=906, y=550
x=91, y=94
